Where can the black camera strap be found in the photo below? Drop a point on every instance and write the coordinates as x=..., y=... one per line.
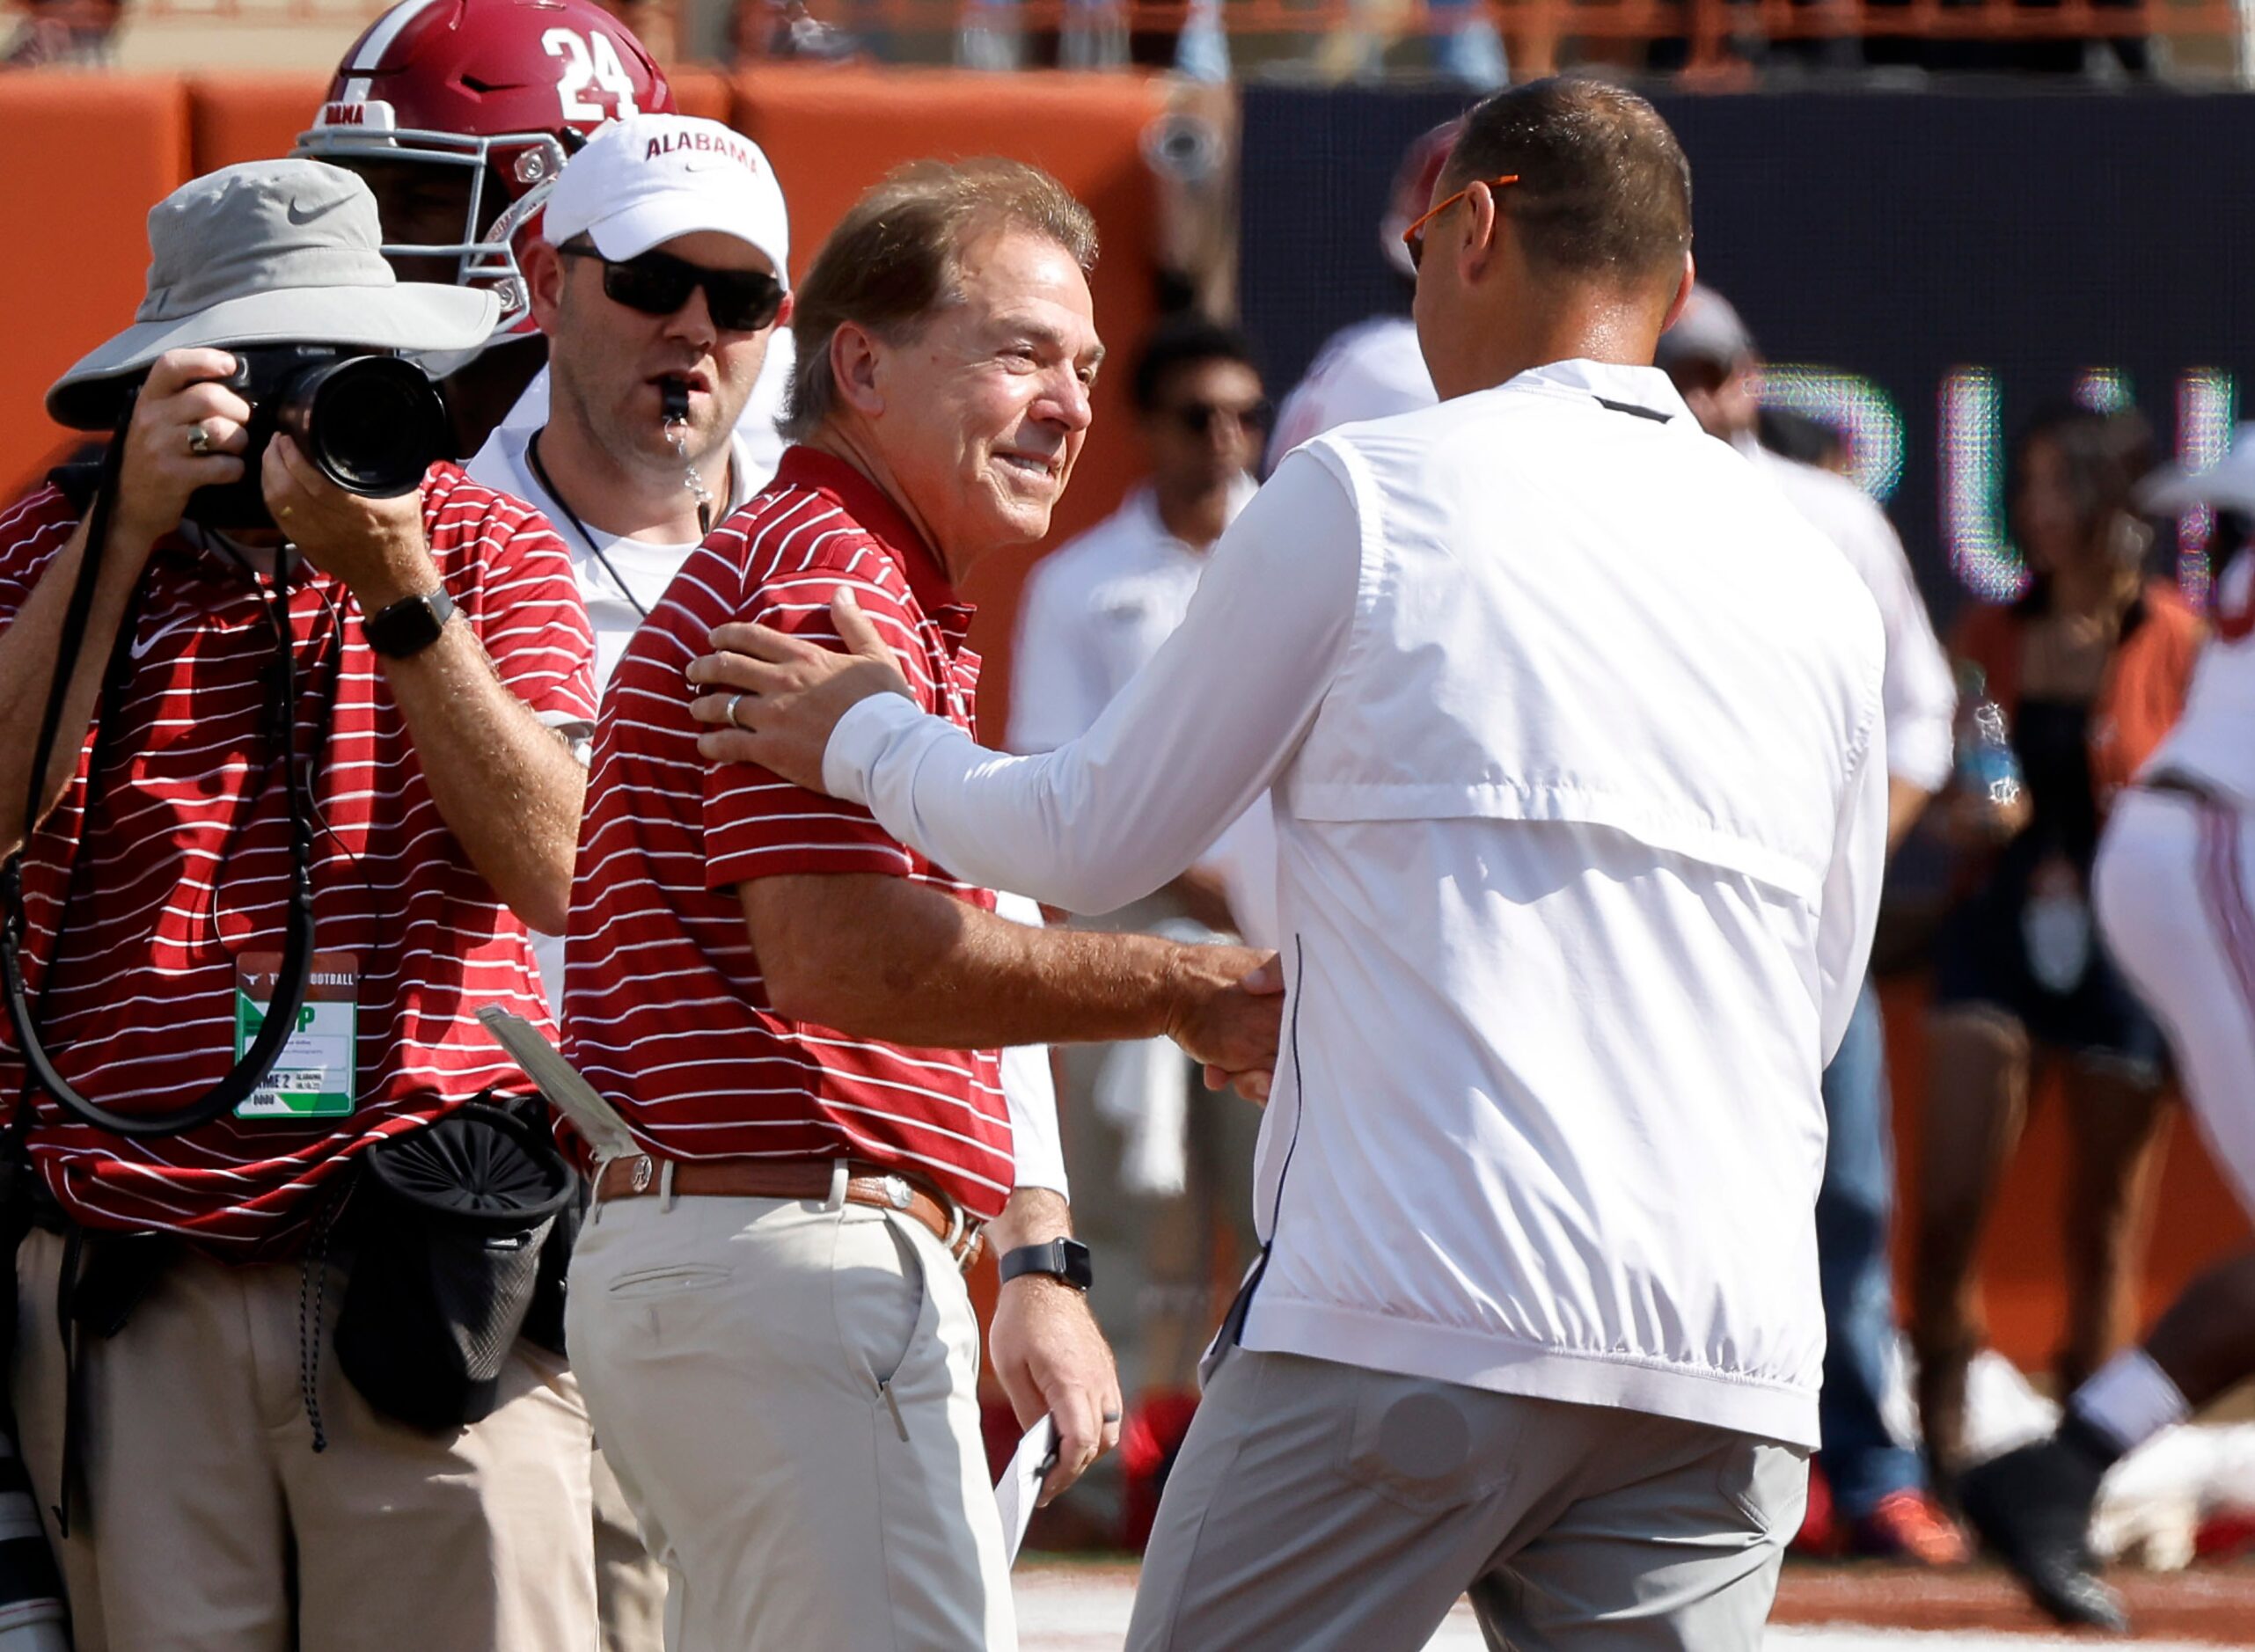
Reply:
x=251, y=1070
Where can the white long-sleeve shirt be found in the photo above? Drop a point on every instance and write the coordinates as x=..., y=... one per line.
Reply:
x=1572, y=729
x=1092, y=614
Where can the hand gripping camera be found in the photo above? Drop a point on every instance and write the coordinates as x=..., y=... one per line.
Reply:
x=372, y=424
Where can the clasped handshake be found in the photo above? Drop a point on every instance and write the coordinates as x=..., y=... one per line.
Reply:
x=771, y=699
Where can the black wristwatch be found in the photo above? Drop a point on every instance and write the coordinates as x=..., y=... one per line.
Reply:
x=409, y=625
x=1064, y=1258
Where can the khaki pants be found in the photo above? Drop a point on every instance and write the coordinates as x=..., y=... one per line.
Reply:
x=210, y=1524
x=629, y=1583
x=1323, y=1507
x=788, y=1394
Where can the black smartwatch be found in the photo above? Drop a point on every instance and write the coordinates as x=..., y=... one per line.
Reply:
x=409, y=625
x=1064, y=1259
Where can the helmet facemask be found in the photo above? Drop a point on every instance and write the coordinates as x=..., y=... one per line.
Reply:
x=502, y=179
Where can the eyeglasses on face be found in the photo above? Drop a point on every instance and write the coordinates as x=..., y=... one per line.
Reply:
x=658, y=284
x=1414, y=237
x=1197, y=417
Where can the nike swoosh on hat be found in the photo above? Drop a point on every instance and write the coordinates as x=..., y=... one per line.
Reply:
x=297, y=212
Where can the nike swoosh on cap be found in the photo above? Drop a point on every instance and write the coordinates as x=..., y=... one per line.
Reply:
x=297, y=212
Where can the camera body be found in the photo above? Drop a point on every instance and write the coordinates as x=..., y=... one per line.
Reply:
x=370, y=423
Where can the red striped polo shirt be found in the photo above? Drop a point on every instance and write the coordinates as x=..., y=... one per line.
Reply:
x=663, y=1002
x=186, y=867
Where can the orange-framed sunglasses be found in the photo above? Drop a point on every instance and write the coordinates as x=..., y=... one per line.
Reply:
x=1414, y=237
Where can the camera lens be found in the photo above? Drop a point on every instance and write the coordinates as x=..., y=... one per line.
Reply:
x=373, y=424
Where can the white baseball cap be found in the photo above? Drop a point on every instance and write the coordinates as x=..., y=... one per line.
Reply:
x=645, y=180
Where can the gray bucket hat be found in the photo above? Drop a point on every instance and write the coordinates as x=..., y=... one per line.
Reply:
x=269, y=252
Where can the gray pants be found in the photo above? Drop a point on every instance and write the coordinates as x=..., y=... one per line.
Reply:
x=1324, y=1506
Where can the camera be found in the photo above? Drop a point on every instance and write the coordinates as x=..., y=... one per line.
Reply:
x=372, y=424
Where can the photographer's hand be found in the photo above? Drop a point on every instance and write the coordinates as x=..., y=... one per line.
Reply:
x=160, y=468
x=375, y=545
x=507, y=788
x=187, y=433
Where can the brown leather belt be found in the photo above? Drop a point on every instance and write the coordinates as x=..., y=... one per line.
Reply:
x=642, y=1175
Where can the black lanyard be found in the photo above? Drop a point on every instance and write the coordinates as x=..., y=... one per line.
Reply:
x=540, y=475
x=274, y=737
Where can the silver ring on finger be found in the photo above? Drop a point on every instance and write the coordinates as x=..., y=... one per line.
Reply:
x=199, y=440
x=1111, y=1416
x=735, y=700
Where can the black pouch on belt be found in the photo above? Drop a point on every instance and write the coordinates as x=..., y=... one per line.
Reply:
x=446, y=1254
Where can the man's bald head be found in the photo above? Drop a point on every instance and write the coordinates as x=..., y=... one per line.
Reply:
x=1604, y=191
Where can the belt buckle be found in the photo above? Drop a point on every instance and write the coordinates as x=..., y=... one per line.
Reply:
x=639, y=1178
x=899, y=1194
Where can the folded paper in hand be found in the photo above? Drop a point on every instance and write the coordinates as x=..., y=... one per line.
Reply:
x=1019, y=1489
x=571, y=1095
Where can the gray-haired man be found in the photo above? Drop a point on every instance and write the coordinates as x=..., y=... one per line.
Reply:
x=768, y=1306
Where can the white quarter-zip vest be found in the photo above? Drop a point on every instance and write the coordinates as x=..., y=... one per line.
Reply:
x=1555, y=855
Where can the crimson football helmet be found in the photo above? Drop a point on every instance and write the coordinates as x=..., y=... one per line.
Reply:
x=1413, y=191
x=499, y=92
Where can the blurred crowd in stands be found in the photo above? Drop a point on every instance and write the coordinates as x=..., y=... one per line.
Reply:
x=1466, y=42
x=62, y=34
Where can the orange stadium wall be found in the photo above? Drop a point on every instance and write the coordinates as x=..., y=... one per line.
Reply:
x=89, y=155
x=95, y=152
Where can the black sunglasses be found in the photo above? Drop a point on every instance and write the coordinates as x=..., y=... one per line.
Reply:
x=1197, y=417
x=658, y=284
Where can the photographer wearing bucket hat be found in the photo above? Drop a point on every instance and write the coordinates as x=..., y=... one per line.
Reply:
x=315, y=704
